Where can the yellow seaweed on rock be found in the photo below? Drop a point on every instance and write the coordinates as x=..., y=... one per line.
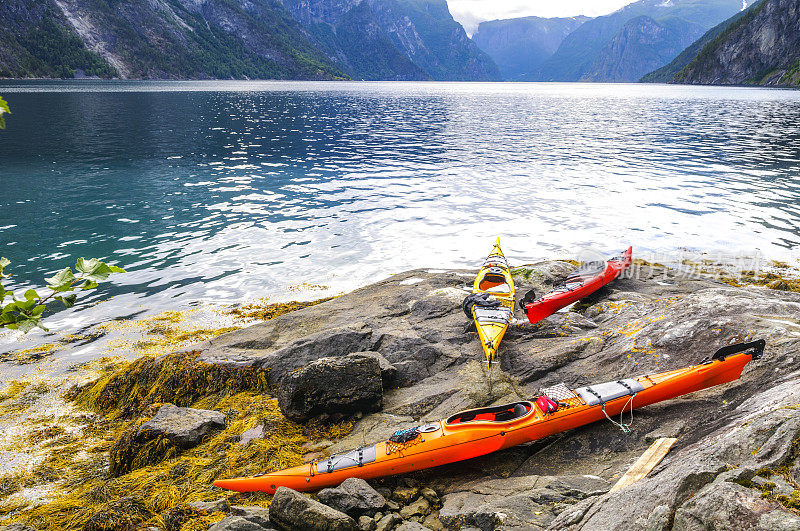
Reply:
x=72, y=478
x=263, y=310
x=84, y=496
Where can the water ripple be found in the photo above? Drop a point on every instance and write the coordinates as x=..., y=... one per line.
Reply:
x=225, y=190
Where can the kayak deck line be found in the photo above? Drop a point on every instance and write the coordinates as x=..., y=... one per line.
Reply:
x=481, y=431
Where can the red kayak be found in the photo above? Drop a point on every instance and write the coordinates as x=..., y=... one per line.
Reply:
x=581, y=283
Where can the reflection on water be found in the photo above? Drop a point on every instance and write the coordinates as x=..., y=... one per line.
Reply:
x=219, y=191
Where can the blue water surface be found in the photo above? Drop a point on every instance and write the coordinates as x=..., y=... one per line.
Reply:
x=222, y=191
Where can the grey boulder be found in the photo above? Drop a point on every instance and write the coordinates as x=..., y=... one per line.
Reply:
x=388, y=522
x=354, y=497
x=245, y=519
x=388, y=370
x=291, y=510
x=411, y=526
x=185, y=427
x=526, y=502
x=332, y=385
x=180, y=427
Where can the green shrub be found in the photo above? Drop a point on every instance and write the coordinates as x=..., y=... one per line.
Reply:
x=26, y=314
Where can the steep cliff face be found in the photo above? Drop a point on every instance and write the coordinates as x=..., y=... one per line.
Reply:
x=198, y=38
x=351, y=35
x=640, y=46
x=165, y=39
x=425, y=31
x=520, y=45
x=309, y=12
x=366, y=51
x=666, y=72
x=395, y=39
x=578, y=53
x=36, y=40
x=762, y=47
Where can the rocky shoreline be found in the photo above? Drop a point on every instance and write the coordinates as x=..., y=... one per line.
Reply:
x=150, y=436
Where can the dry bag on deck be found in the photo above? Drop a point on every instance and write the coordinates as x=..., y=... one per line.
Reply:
x=546, y=405
x=482, y=300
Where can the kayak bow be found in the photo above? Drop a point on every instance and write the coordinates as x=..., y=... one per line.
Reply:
x=581, y=283
x=481, y=431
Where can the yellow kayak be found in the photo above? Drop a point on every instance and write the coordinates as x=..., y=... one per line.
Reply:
x=492, y=303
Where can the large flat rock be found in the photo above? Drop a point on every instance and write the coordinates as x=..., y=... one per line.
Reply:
x=651, y=321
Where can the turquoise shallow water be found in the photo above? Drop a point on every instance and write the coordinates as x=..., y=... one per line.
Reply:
x=219, y=191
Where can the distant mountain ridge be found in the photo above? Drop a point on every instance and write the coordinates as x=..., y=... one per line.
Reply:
x=263, y=39
x=641, y=43
x=520, y=45
x=605, y=48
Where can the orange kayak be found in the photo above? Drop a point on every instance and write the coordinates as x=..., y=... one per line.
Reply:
x=481, y=431
x=581, y=283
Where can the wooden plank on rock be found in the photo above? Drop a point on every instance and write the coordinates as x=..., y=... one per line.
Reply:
x=649, y=459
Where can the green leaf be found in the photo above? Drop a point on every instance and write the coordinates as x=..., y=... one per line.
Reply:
x=68, y=300
x=27, y=325
x=26, y=306
x=115, y=269
x=31, y=295
x=93, y=269
x=99, y=273
x=61, y=281
x=89, y=284
x=4, y=262
x=84, y=265
x=38, y=310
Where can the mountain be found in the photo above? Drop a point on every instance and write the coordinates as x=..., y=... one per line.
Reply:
x=414, y=39
x=36, y=40
x=762, y=47
x=427, y=33
x=588, y=52
x=641, y=44
x=520, y=45
x=350, y=34
x=668, y=71
x=159, y=39
x=257, y=39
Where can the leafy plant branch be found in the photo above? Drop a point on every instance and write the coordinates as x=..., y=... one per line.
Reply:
x=4, y=109
x=26, y=314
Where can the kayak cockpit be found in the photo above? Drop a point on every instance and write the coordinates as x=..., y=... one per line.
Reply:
x=494, y=281
x=504, y=413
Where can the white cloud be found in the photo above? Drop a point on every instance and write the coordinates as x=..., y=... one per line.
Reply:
x=471, y=12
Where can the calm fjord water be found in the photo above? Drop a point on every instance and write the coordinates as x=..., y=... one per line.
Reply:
x=226, y=190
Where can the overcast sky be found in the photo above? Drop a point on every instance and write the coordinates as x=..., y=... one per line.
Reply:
x=471, y=12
